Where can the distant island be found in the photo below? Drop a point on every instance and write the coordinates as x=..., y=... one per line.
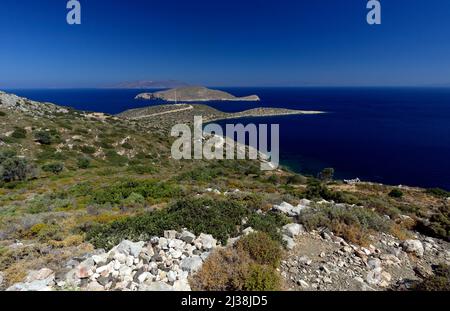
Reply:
x=149, y=84
x=194, y=94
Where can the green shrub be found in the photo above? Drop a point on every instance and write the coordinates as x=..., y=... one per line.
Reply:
x=134, y=199
x=220, y=218
x=50, y=153
x=43, y=137
x=269, y=223
x=143, y=169
x=261, y=248
x=6, y=154
x=47, y=203
x=440, y=193
x=141, y=227
x=115, y=159
x=88, y=149
x=262, y=278
x=396, y=193
x=13, y=168
x=296, y=180
x=19, y=133
x=2, y=113
x=273, y=179
x=438, y=225
x=440, y=281
x=105, y=144
x=127, y=146
x=317, y=190
x=83, y=162
x=326, y=174
x=149, y=189
x=55, y=168
x=46, y=232
x=351, y=223
x=201, y=174
x=81, y=189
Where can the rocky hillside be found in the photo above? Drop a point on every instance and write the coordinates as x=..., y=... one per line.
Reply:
x=194, y=94
x=94, y=202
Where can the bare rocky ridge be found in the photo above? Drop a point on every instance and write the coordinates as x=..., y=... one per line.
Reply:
x=24, y=105
x=194, y=94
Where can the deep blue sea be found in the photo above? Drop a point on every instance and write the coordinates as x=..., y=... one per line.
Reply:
x=388, y=135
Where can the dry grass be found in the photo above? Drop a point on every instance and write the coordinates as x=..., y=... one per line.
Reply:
x=351, y=233
x=225, y=269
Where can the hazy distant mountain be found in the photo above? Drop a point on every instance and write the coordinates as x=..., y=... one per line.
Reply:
x=150, y=84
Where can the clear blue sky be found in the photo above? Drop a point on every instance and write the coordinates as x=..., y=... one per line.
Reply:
x=224, y=43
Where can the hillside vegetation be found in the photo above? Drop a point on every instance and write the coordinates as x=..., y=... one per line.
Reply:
x=72, y=182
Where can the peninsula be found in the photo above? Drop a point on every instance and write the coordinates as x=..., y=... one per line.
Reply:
x=165, y=116
x=194, y=94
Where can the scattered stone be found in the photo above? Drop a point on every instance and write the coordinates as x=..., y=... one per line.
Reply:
x=413, y=246
x=191, y=264
x=130, y=248
x=187, y=237
x=304, y=260
x=293, y=230
x=39, y=275
x=182, y=285
x=390, y=259
x=95, y=287
x=325, y=236
x=100, y=259
x=248, y=230
x=374, y=277
x=374, y=263
x=289, y=209
x=170, y=234
x=207, y=241
x=156, y=286
x=303, y=284
x=290, y=243
x=422, y=272
x=165, y=263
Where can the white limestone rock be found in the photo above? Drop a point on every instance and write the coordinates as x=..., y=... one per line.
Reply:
x=413, y=246
x=293, y=230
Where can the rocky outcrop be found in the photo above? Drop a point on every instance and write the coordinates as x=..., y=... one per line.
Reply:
x=291, y=210
x=24, y=105
x=194, y=94
x=413, y=246
x=163, y=263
